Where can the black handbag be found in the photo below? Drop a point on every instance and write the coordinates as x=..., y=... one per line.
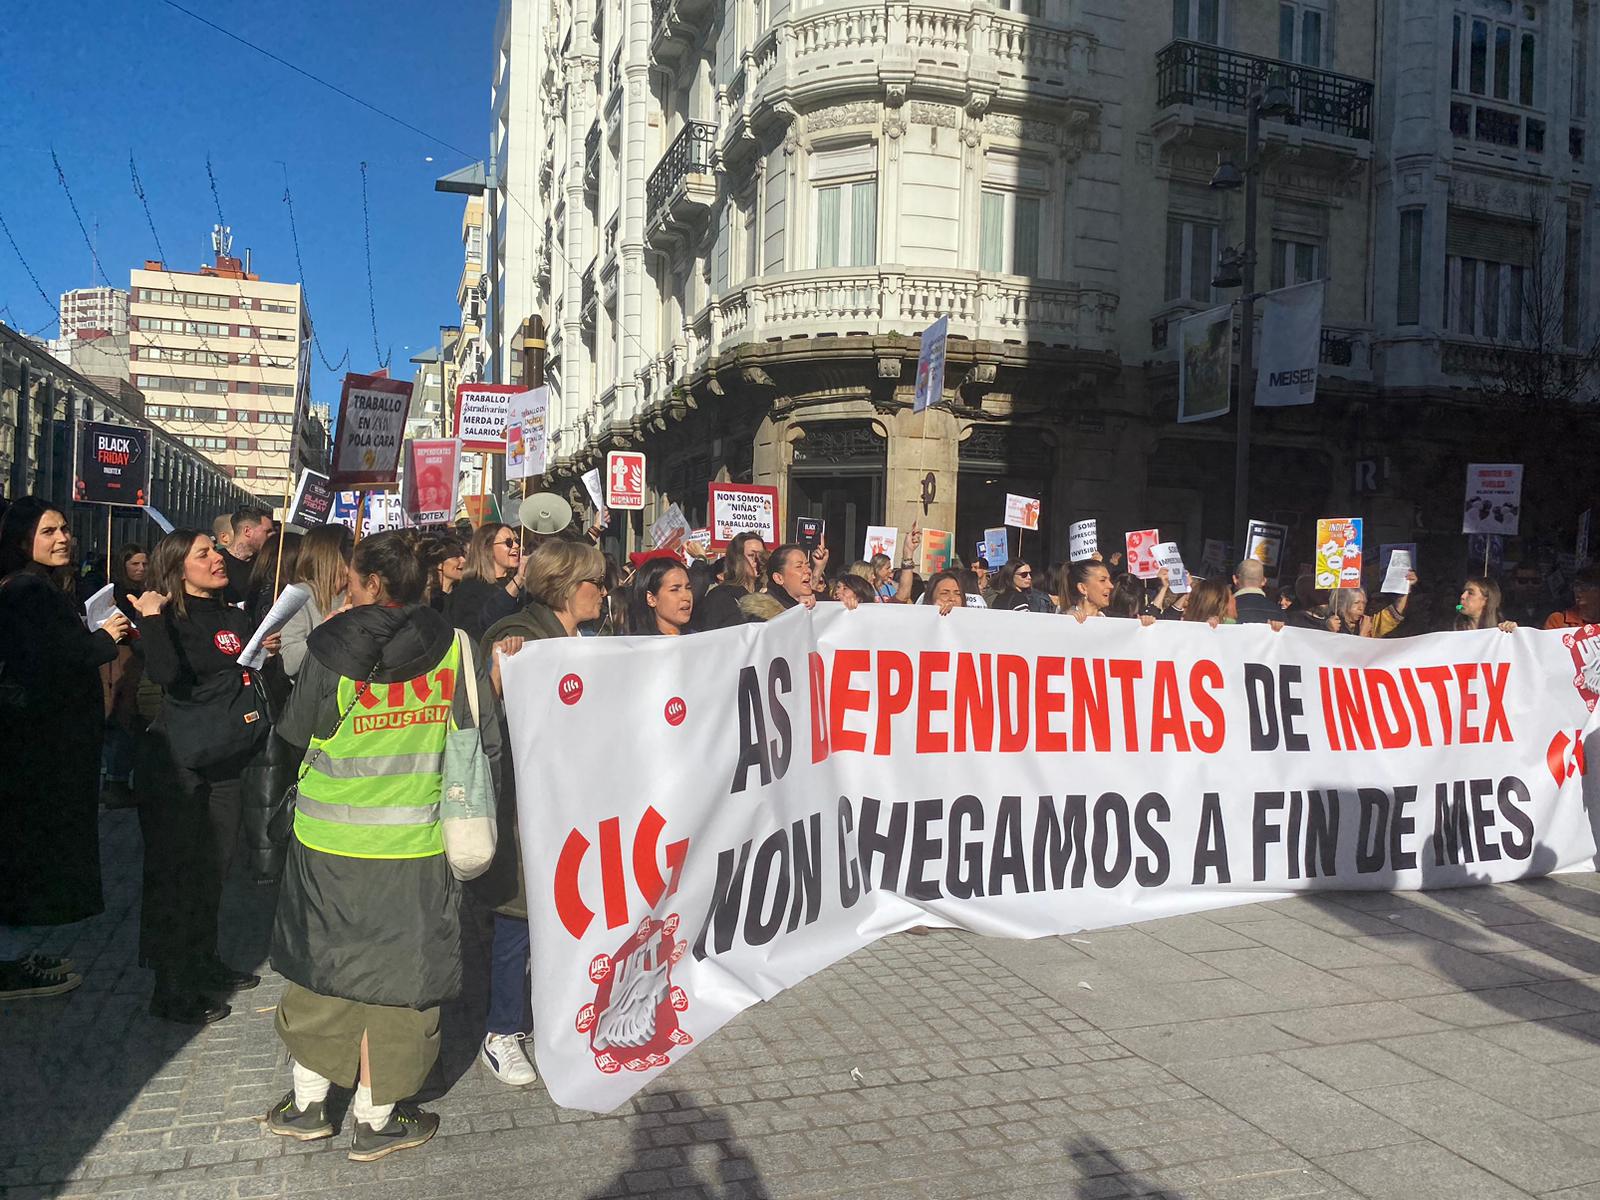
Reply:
x=224, y=717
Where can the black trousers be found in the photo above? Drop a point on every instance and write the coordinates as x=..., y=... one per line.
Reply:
x=190, y=822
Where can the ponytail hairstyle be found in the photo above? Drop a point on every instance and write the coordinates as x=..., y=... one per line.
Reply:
x=1071, y=576
x=391, y=556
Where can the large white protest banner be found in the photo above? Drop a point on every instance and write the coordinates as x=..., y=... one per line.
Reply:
x=1291, y=346
x=846, y=774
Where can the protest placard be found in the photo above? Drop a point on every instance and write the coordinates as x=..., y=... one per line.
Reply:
x=527, y=433
x=113, y=464
x=881, y=539
x=1214, y=561
x=1397, y=565
x=735, y=508
x=432, y=481
x=670, y=530
x=938, y=551
x=810, y=531
x=481, y=415
x=1169, y=558
x=368, y=431
x=1494, y=499
x=997, y=547
x=313, y=500
x=930, y=365
x=1022, y=512
x=1338, y=553
x=1083, y=540
x=1141, y=550
x=1265, y=543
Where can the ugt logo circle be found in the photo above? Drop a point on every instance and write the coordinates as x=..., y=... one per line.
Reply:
x=570, y=689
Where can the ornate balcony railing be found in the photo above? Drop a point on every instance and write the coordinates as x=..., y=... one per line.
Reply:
x=591, y=157
x=1475, y=121
x=690, y=154
x=588, y=297
x=1212, y=77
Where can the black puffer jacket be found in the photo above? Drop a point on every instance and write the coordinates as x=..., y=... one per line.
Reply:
x=373, y=930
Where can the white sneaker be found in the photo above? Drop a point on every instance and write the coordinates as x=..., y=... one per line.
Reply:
x=507, y=1060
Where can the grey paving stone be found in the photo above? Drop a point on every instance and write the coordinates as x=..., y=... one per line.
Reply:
x=1189, y=1041
x=1523, y=1151
x=1292, y=1106
x=1355, y=1065
x=1417, y=1171
x=1354, y=1022
x=1524, y=1086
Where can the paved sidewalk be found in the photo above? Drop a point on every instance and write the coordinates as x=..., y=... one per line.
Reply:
x=1409, y=1046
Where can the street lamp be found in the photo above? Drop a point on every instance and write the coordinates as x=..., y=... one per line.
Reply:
x=1237, y=268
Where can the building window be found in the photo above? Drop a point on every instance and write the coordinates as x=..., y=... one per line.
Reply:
x=1408, y=293
x=1485, y=299
x=1495, y=52
x=475, y=243
x=1028, y=8
x=845, y=203
x=1295, y=262
x=1197, y=20
x=1301, y=32
x=1009, y=238
x=1191, y=257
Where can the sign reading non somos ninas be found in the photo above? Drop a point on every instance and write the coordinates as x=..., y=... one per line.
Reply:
x=735, y=508
x=860, y=772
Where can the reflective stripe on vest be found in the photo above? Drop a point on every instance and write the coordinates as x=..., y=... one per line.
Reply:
x=373, y=791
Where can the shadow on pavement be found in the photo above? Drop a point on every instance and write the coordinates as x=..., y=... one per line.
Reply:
x=709, y=1141
x=93, y=1066
x=1104, y=1174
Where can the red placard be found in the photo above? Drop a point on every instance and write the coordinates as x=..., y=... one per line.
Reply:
x=735, y=508
x=625, y=479
x=482, y=406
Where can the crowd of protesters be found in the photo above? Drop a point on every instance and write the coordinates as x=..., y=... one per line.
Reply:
x=258, y=769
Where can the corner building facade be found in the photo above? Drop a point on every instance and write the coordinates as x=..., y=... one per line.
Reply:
x=746, y=211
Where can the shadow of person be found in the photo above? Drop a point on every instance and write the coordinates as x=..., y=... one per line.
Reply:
x=1093, y=1168
x=711, y=1160
x=73, y=1099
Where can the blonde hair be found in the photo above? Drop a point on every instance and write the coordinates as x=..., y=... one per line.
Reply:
x=324, y=557
x=480, y=554
x=556, y=569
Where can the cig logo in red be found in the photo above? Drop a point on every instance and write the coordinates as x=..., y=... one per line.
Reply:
x=570, y=689
x=676, y=711
x=644, y=858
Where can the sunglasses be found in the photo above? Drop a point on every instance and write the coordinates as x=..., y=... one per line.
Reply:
x=510, y=543
x=1021, y=574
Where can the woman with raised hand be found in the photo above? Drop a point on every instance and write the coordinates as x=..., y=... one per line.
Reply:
x=52, y=701
x=368, y=929
x=191, y=764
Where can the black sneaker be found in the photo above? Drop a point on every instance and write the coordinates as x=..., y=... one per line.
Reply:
x=50, y=964
x=307, y=1125
x=25, y=978
x=407, y=1126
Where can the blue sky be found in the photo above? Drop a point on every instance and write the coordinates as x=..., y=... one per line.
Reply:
x=138, y=76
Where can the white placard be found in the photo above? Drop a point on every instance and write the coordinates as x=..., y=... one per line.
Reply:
x=1083, y=540
x=290, y=601
x=1494, y=499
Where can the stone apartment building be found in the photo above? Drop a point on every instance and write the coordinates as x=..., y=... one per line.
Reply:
x=736, y=217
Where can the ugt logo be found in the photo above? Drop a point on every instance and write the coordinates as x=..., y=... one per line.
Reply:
x=1584, y=645
x=633, y=1020
x=647, y=878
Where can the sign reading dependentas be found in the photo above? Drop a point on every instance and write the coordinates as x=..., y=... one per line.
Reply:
x=113, y=464
x=370, y=429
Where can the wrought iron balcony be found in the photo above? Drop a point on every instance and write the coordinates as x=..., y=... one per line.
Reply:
x=1207, y=76
x=1475, y=121
x=591, y=157
x=588, y=297
x=689, y=155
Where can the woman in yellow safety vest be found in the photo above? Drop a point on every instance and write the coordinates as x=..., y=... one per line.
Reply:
x=368, y=930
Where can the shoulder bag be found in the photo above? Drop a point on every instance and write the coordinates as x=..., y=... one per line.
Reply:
x=466, y=793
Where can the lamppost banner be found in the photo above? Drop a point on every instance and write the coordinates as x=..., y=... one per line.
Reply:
x=1291, y=346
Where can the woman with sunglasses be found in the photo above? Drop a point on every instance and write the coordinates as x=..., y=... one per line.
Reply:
x=565, y=586
x=494, y=564
x=1015, y=591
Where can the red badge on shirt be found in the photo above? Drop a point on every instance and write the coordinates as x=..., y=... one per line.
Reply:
x=228, y=642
